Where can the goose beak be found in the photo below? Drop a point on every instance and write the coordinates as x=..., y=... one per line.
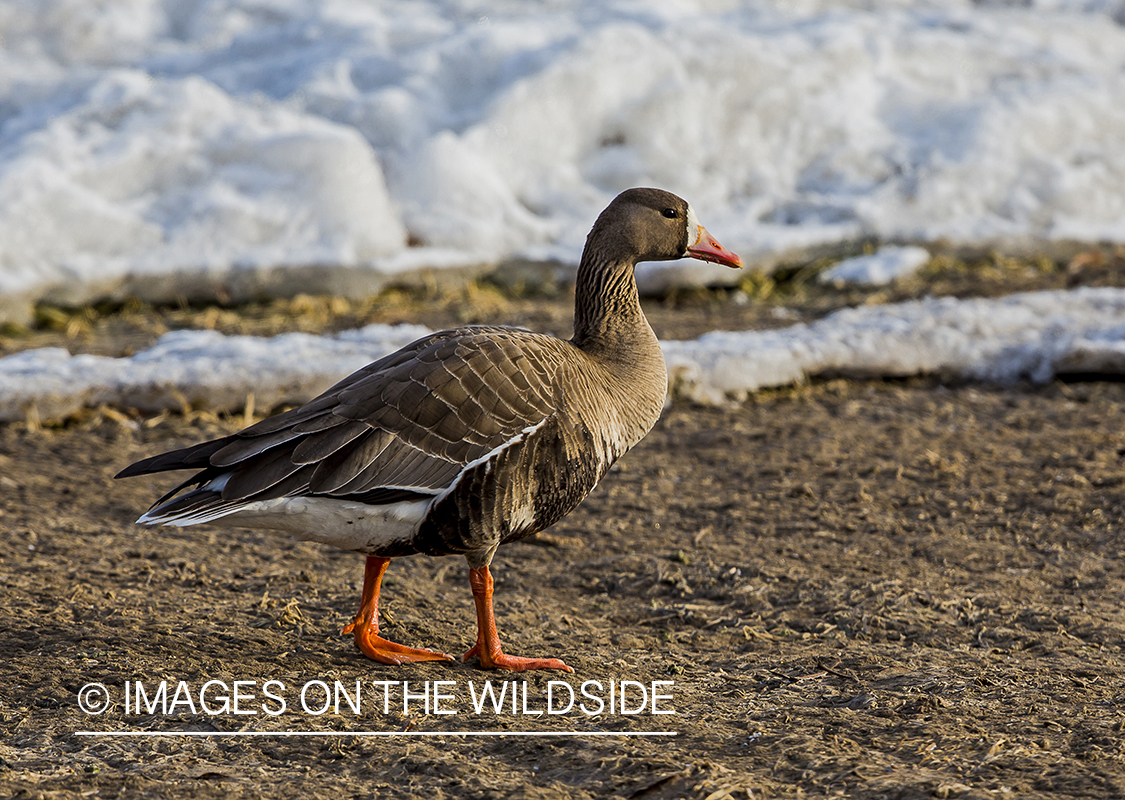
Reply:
x=707, y=248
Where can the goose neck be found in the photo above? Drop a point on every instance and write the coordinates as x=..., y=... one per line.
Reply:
x=607, y=307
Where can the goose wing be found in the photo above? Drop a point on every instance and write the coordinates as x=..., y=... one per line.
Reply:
x=404, y=427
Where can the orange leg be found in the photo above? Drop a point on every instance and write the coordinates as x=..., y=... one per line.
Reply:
x=487, y=647
x=365, y=626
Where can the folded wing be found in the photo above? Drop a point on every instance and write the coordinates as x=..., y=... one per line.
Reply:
x=403, y=428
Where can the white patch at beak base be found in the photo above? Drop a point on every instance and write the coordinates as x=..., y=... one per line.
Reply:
x=693, y=228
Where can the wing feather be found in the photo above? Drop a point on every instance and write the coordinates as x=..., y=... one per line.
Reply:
x=254, y=476
x=196, y=456
x=242, y=449
x=316, y=446
x=323, y=422
x=340, y=467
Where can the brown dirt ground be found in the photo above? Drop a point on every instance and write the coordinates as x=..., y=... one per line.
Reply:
x=869, y=589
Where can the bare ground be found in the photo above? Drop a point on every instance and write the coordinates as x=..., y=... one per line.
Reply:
x=869, y=589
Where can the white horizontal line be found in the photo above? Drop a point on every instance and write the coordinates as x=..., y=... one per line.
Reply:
x=377, y=733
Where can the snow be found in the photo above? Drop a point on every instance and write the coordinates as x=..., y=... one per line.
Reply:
x=193, y=368
x=884, y=266
x=1030, y=336
x=194, y=148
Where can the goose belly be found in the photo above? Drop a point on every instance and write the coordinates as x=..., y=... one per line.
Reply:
x=358, y=527
x=518, y=491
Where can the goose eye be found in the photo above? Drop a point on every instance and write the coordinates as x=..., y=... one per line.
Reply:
x=670, y=213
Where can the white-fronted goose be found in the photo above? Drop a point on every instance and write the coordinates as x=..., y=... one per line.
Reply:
x=462, y=441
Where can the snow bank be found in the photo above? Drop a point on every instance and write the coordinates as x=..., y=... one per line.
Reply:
x=885, y=265
x=1031, y=336
x=200, y=369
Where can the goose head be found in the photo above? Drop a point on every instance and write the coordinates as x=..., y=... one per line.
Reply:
x=655, y=225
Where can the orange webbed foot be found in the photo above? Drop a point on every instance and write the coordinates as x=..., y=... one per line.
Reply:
x=375, y=647
x=501, y=660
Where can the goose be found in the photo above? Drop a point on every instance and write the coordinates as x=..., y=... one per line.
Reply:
x=462, y=441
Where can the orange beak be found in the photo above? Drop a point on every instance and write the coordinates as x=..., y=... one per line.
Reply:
x=709, y=249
